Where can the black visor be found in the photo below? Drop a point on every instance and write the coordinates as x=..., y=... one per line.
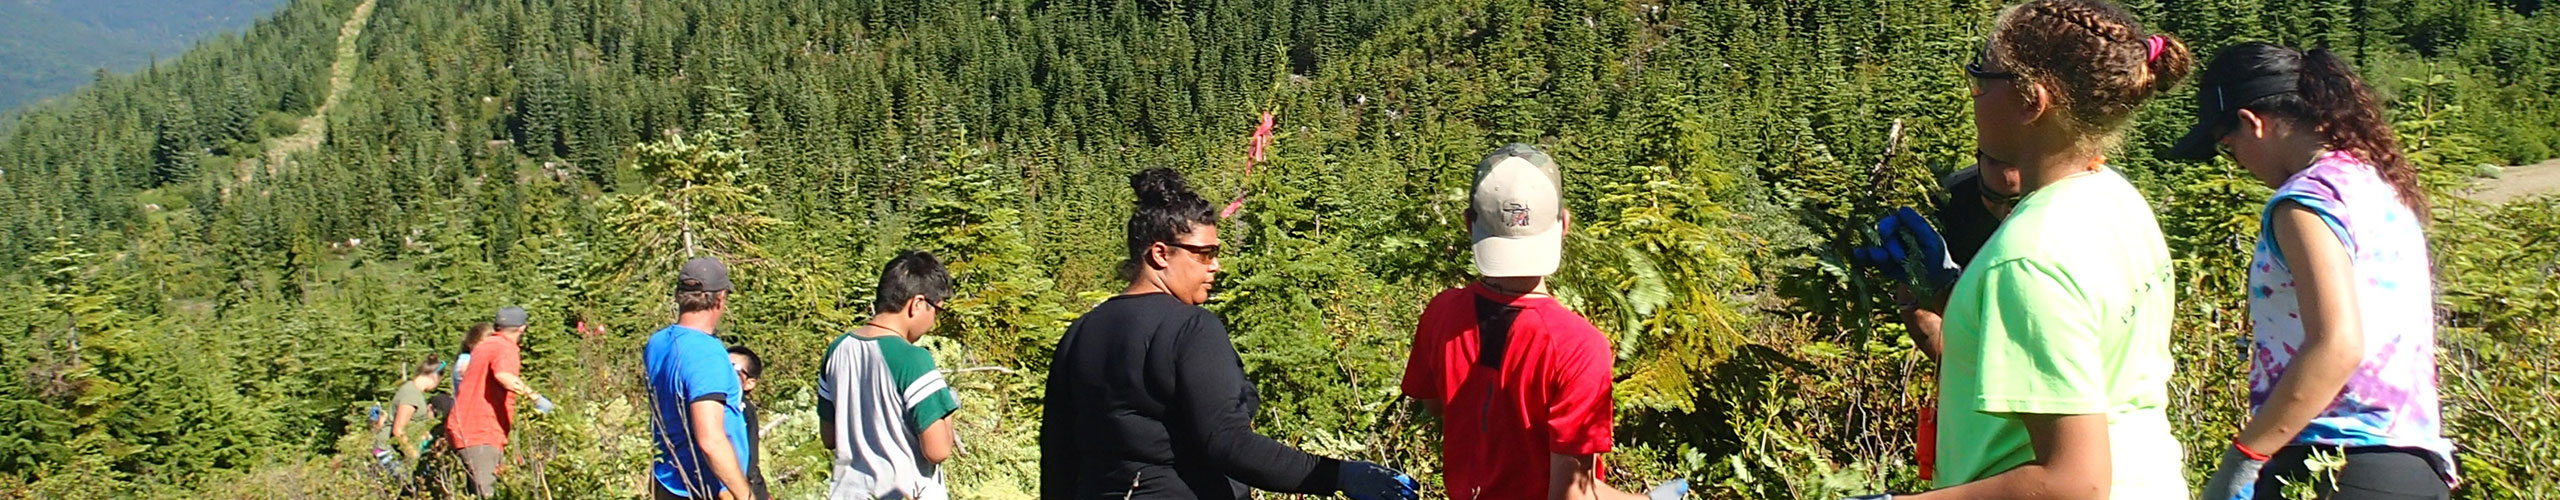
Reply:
x=2216, y=107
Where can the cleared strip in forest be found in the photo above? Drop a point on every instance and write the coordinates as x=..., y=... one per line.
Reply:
x=310, y=130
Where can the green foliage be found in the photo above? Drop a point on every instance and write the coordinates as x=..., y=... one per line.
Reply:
x=208, y=312
x=696, y=204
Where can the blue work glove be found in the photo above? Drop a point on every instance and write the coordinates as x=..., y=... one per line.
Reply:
x=1369, y=481
x=1938, y=268
x=542, y=404
x=1887, y=253
x=1675, y=489
x=1878, y=258
x=2237, y=477
x=1905, y=241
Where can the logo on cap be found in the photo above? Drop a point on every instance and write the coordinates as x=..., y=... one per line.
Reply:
x=1515, y=215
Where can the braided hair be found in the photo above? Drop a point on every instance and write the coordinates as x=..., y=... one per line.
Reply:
x=2094, y=57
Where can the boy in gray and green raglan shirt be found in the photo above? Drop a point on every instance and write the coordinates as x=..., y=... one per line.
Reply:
x=883, y=409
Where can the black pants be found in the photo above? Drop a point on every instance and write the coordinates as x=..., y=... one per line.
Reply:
x=2374, y=473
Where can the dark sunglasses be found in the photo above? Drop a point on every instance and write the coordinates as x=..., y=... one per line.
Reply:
x=1975, y=70
x=1204, y=253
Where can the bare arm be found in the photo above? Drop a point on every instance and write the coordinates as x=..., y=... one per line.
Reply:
x=938, y=442
x=827, y=434
x=514, y=384
x=2072, y=463
x=400, y=429
x=400, y=422
x=1576, y=477
x=1927, y=321
x=2332, y=337
x=711, y=437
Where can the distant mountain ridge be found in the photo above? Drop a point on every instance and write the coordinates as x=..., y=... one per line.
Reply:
x=48, y=47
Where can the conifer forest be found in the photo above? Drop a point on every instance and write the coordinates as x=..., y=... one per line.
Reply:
x=215, y=265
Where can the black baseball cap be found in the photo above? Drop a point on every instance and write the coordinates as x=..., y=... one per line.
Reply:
x=703, y=274
x=2217, y=109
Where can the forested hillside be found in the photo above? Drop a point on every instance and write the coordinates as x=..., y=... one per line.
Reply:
x=213, y=290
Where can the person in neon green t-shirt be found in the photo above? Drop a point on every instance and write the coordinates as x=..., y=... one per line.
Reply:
x=2056, y=354
x=2063, y=317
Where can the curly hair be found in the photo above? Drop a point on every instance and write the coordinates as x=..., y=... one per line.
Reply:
x=2094, y=58
x=2330, y=98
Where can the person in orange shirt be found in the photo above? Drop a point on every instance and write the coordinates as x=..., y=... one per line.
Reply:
x=484, y=408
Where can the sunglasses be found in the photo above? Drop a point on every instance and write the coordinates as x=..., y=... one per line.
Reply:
x=1975, y=69
x=1204, y=253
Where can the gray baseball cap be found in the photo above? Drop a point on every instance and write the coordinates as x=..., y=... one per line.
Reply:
x=703, y=274
x=1519, y=205
x=510, y=317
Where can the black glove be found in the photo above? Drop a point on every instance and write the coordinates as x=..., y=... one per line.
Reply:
x=1369, y=481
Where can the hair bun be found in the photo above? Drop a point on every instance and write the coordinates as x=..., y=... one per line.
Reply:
x=1162, y=187
x=2170, y=64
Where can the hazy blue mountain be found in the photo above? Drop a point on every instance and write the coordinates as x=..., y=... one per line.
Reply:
x=48, y=47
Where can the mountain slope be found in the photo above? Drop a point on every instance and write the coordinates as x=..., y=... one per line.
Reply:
x=221, y=275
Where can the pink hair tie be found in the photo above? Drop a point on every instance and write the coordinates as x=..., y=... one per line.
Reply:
x=2156, y=42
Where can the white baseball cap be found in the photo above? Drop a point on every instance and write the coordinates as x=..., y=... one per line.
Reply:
x=1518, y=201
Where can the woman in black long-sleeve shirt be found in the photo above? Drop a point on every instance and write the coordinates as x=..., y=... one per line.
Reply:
x=1147, y=398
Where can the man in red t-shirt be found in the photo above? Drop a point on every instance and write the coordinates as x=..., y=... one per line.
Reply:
x=1521, y=383
x=484, y=405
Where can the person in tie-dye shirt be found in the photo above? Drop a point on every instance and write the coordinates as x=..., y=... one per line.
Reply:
x=2341, y=290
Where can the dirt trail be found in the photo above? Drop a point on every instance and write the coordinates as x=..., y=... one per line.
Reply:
x=2518, y=182
x=309, y=131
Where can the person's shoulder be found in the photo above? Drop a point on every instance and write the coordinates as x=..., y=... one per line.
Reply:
x=899, y=350
x=1562, y=326
x=704, y=341
x=1449, y=305
x=1963, y=182
x=2340, y=164
x=2078, y=218
x=2042, y=272
x=2329, y=178
x=1148, y=305
x=835, y=346
x=2106, y=190
x=494, y=347
x=1193, y=314
x=1453, y=295
x=660, y=339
